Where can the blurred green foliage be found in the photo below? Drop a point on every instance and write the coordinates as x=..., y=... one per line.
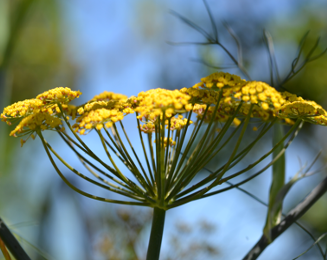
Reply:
x=311, y=83
x=32, y=60
x=32, y=57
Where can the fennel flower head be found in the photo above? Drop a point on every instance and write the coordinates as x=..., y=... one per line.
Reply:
x=180, y=132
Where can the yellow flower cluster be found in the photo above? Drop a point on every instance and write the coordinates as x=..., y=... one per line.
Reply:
x=220, y=80
x=108, y=96
x=229, y=92
x=41, y=112
x=97, y=119
x=297, y=107
x=201, y=96
x=102, y=111
x=234, y=90
x=21, y=109
x=153, y=103
x=148, y=128
x=59, y=95
x=30, y=123
x=156, y=103
x=262, y=94
x=268, y=102
x=94, y=105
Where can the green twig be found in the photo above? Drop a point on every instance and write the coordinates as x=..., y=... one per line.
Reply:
x=291, y=217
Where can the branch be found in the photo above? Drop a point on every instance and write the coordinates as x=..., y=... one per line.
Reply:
x=11, y=242
x=290, y=218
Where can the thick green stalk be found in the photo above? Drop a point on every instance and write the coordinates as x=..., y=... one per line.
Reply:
x=157, y=228
x=274, y=212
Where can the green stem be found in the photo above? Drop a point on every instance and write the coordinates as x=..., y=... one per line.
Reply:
x=157, y=228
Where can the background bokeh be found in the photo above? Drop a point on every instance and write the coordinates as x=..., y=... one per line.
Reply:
x=123, y=46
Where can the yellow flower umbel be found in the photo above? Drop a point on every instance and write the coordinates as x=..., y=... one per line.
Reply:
x=184, y=130
x=180, y=132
